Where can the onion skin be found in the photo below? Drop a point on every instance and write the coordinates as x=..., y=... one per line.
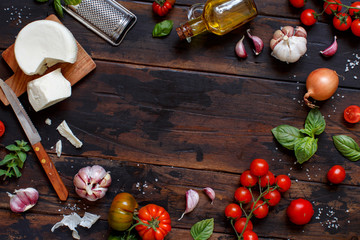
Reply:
x=321, y=84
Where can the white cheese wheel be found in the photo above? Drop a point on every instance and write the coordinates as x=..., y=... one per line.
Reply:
x=42, y=44
x=48, y=90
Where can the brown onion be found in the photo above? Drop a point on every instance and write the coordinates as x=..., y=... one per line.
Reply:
x=321, y=84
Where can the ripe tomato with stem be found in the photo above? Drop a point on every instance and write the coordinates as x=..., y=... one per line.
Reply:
x=273, y=197
x=308, y=17
x=2, y=128
x=233, y=211
x=284, y=183
x=259, y=167
x=260, y=209
x=243, y=195
x=267, y=180
x=240, y=225
x=248, y=180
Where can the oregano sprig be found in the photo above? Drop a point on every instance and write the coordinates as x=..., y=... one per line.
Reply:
x=58, y=7
x=15, y=159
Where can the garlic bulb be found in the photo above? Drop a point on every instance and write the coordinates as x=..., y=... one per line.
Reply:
x=92, y=182
x=289, y=44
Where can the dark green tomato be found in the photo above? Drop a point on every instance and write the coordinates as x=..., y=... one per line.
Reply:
x=122, y=211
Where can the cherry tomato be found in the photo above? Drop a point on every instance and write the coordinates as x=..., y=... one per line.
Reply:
x=342, y=21
x=352, y=114
x=283, y=182
x=297, y=3
x=233, y=211
x=248, y=180
x=300, y=211
x=157, y=222
x=273, y=197
x=2, y=128
x=355, y=27
x=261, y=209
x=332, y=6
x=162, y=7
x=354, y=12
x=336, y=174
x=240, y=224
x=243, y=195
x=259, y=167
x=267, y=179
x=307, y=17
x=250, y=235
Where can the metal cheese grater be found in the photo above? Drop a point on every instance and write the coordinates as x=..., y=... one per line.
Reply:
x=107, y=18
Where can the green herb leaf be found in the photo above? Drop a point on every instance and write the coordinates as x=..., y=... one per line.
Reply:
x=347, y=147
x=163, y=28
x=16, y=171
x=305, y=149
x=72, y=2
x=21, y=155
x=7, y=159
x=315, y=122
x=307, y=132
x=58, y=8
x=13, y=147
x=2, y=172
x=42, y=1
x=202, y=230
x=287, y=135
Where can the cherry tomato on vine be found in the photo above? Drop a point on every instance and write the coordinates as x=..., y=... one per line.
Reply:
x=259, y=167
x=240, y=224
x=336, y=174
x=342, y=21
x=261, y=209
x=243, y=195
x=297, y=3
x=267, y=179
x=300, y=211
x=2, y=128
x=248, y=180
x=273, y=197
x=355, y=27
x=233, y=211
x=307, y=17
x=352, y=114
x=162, y=7
x=354, y=12
x=250, y=235
x=332, y=6
x=283, y=182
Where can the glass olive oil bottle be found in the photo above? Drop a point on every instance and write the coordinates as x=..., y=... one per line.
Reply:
x=219, y=17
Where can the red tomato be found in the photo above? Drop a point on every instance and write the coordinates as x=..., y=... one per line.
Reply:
x=332, y=6
x=157, y=218
x=267, y=179
x=336, y=174
x=297, y=3
x=283, y=182
x=353, y=11
x=2, y=128
x=248, y=180
x=261, y=209
x=308, y=17
x=342, y=21
x=273, y=197
x=243, y=195
x=233, y=211
x=355, y=27
x=352, y=113
x=300, y=211
x=259, y=167
x=240, y=224
x=250, y=235
x=162, y=7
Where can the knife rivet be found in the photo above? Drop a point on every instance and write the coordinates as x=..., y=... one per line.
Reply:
x=37, y=149
x=43, y=161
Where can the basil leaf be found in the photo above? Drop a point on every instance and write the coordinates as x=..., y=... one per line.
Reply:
x=305, y=149
x=12, y=147
x=58, y=8
x=202, y=230
x=347, y=147
x=287, y=135
x=72, y=2
x=7, y=159
x=307, y=132
x=163, y=28
x=42, y=1
x=315, y=122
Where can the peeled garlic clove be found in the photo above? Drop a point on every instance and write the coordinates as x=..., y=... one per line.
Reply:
x=331, y=50
x=258, y=43
x=211, y=193
x=23, y=199
x=240, y=49
x=192, y=199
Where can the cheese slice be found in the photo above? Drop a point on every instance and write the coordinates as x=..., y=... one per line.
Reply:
x=42, y=44
x=48, y=90
x=58, y=148
x=66, y=132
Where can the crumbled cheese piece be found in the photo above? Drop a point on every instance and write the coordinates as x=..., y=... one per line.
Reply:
x=48, y=121
x=58, y=148
x=66, y=132
x=89, y=219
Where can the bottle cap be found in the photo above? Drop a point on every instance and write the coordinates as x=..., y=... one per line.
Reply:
x=184, y=31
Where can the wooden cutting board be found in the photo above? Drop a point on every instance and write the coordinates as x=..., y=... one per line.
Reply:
x=72, y=72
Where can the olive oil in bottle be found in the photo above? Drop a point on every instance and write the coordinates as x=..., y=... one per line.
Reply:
x=219, y=17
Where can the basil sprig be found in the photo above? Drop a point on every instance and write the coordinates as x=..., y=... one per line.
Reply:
x=347, y=147
x=202, y=230
x=58, y=7
x=163, y=28
x=302, y=141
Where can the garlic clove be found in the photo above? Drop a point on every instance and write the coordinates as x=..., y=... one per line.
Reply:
x=288, y=31
x=258, y=43
x=240, y=49
x=23, y=199
x=210, y=193
x=331, y=50
x=192, y=199
x=300, y=32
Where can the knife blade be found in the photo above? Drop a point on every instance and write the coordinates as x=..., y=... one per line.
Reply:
x=35, y=141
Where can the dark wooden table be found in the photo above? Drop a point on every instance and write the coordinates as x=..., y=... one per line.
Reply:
x=165, y=116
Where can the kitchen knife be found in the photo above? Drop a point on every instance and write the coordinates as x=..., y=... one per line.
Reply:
x=34, y=139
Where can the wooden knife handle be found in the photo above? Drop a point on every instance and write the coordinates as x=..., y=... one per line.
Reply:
x=51, y=171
